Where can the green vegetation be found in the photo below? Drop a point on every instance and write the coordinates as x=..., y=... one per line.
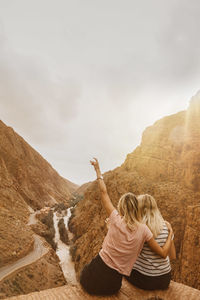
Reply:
x=49, y=235
x=75, y=199
x=63, y=232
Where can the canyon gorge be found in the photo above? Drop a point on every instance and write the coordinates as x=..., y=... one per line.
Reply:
x=166, y=165
x=27, y=183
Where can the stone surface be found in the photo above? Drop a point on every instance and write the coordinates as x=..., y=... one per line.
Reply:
x=166, y=165
x=176, y=291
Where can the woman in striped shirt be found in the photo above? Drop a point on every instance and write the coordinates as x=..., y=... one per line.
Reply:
x=151, y=271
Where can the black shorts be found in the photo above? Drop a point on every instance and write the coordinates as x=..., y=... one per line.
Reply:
x=149, y=282
x=99, y=279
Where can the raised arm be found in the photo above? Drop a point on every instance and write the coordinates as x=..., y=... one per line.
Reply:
x=105, y=199
x=162, y=251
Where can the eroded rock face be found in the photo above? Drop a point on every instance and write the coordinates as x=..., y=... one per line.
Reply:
x=190, y=248
x=166, y=165
x=16, y=239
x=31, y=175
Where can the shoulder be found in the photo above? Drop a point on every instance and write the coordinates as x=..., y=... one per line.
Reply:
x=146, y=231
x=164, y=226
x=142, y=226
x=114, y=215
x=164, y=231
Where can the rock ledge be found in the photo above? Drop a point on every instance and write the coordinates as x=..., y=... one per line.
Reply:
x=176, y=291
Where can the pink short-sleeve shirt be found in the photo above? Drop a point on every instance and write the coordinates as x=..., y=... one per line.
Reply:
x=122, y=246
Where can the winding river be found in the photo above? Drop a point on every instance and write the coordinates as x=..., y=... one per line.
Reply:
x=40, y=250
x=63, y=250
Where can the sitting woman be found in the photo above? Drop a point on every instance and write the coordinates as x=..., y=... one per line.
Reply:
x=121, y=246
x=150, y=271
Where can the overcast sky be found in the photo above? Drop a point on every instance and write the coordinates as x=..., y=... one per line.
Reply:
x=84, y=78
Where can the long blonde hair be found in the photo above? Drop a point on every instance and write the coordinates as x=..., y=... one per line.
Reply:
x=128, y=209
x=150, y=214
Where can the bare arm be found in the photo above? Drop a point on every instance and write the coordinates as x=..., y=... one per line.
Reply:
x=105, y=199
x=172, y=251
x=162, y=251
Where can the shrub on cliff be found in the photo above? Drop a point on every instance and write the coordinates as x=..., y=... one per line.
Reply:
x=59, y=207
x=50, y=233
x=63, y=232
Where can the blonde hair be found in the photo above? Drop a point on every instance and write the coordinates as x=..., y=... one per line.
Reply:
x=128, y=209
x=150, y=214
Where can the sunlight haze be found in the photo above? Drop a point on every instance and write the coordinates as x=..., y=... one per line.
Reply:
x=85, y=78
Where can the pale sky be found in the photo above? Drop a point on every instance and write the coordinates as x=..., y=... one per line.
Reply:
x=84, y=78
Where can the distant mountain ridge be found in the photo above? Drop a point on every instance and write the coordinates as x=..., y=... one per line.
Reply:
x=27, y=170
x=166, y=165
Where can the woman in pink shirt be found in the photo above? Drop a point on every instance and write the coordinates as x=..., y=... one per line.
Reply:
x=122, y=244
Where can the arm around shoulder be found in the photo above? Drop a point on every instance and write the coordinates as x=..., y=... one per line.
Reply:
x=162, y=251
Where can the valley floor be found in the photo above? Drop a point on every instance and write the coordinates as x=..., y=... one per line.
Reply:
x=38, y=251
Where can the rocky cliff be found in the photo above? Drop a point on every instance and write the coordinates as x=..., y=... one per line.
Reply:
x=26, y=180
x=29, y=173
x=189, y=271
x=166, y=165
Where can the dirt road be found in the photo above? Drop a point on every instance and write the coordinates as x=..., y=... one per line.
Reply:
x=38, y=251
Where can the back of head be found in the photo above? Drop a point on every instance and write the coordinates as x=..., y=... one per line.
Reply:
x=150, y=213
x=128, y=209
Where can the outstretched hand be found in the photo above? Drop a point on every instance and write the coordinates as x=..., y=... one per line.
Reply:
x=95, y=163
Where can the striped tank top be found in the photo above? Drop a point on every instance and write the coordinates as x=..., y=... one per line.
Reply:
x=151, y=264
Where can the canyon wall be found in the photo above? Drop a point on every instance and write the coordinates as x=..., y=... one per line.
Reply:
x=166, y=165
x=189, y=272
